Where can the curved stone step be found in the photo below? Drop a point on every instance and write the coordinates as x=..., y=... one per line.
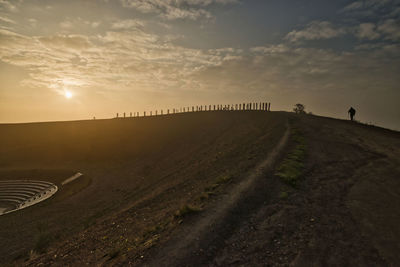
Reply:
x=23, y=193
x=15, y=201
x=24, y=181
x=16, y=193
x=21, y=186
x=11, y=190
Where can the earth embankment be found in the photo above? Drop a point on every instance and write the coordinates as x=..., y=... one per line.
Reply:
x=139, y=171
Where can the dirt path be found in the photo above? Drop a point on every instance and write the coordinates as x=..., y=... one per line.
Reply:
x=323, y=222
x=199, y=240
x=343, y=213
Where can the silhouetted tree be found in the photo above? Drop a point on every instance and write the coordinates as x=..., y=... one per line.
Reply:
x=299, y=109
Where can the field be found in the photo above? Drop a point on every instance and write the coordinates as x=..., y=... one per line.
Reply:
x=213, y=188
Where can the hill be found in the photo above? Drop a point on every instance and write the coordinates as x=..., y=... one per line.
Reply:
x=240, y=187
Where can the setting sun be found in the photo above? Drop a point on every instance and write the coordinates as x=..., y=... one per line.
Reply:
x=68, y=94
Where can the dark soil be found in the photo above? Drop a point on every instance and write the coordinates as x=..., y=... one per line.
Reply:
x=343, y=213
x=200, y=189
x=142, y=172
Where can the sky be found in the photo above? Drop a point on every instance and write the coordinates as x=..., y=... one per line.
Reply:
x=68, y=60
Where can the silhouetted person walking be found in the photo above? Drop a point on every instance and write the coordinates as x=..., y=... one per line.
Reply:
x=352, y=112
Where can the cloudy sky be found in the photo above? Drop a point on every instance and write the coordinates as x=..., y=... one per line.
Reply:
x=136, y=55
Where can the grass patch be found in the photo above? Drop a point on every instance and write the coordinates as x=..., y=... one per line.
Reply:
x=209, y=190
x=291, y=169
x=43, y=238
x=211, y=187
x=283, y=195
x=151, y=241
x=223, y=179
x=186, y=210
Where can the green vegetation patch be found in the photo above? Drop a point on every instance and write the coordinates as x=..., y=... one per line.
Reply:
x=291, y=169
x=43, y=238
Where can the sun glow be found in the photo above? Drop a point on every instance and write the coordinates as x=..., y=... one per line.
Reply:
x=68, y=94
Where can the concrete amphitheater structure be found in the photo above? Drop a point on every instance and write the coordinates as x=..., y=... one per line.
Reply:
x=19, y=194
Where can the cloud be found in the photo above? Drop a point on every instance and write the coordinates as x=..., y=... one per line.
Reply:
x=368, y=4
x=32, y=22
x=6, y=20
x=281, y=70
x=70, y=24
x=176, y=9
x=127, y=24
x=9, y=5
x=391, y=29
x=75, y=42
x=372, y=8
x=116, y=60
x=367, y=31
x=315, y=30
x=66, y=24
x=270, y=49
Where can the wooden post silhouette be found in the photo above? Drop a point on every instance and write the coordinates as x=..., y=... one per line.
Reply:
x=124, y=114
x=144, y=113
x=269, y=106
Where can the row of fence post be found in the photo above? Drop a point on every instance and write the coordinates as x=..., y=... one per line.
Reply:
x=262, y=106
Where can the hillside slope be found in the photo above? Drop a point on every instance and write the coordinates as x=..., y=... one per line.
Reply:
x=164, y=192
x=343, y=211
x=139, y=172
